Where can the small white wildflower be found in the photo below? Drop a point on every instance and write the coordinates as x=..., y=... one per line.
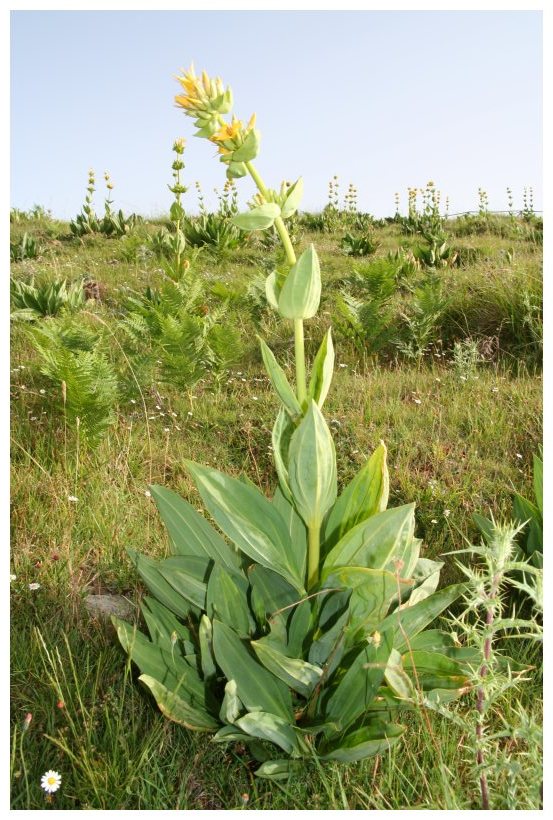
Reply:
x=342, y=365
x=463, y=378
x=190, y=413
x=166, y=429
x=151, y=417
x=72, y=498
x=433, y=521
x=42, y=391
x=417, y=401
x=50, y=781
x=133, y=401
x=34, y=586
x=147, y=493
x=495, y=389
x=158, y=407
x=13, y=578
x=174, y=415
x=447, y=513
x=255, y=398
x=518, y=455
x=243, y=379
x=437, y=379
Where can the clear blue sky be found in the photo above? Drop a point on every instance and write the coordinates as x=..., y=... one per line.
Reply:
x=385, y=100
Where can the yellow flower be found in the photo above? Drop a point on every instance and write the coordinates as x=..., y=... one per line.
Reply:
x=228, y=131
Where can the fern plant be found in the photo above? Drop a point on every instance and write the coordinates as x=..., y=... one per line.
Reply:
x=86, y=380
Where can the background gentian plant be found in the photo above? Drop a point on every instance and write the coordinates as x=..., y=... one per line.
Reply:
x=301, y=629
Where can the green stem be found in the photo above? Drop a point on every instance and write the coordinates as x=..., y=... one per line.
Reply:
x=313, y=556
x=301, y=384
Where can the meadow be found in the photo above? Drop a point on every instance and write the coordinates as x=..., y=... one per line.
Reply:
x=132, y=353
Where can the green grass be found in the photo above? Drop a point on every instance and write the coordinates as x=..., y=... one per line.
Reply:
x=455, y=447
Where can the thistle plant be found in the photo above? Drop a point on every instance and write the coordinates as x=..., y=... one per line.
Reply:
x=484, y=620
x=301, y=632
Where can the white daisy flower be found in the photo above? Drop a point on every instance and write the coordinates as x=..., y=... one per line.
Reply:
x=34, y=586
x=13, y=578
x=50, y=781
x=72, y=498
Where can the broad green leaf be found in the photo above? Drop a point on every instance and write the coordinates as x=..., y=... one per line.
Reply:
x=397, y=678
x=538, y=483
x=257, y=219
x=432, y=670
x=190, y=533
x=357, y=688
x=272, y=290
x=207, y=659
x=249, y=148
x=178, y=709
x=294, y=524
x=231, y=705
x=427, y=575
x=164, y=627
x=278, y=769
x=373, y=591
x=236, y=170
x=414, y=619
x=149, y=571
x=250, y=520
x=330, y=638
x=299, y=675
x=272, y=728
x=282, y=433
x=364, y=496
x=301, y=292
x=166, y=667
x=279, y=381
x=293, y=199
x=227, y=603
x=312, y=467
x=270, y=593
x=321, y=373
x=299, y=628
x=374, y=739
x=375, y=543
x=256, y=687
x=188, y=575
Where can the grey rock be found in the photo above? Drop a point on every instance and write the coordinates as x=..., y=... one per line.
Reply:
x=104, y=606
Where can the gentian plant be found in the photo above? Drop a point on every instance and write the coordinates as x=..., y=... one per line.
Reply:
x=298, y=628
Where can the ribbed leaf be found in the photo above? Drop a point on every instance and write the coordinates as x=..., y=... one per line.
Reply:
x=164, y=627
x=538, y=483
x=322, y=370
x=188, y=575
x=375, y=543
x=227, y=603
x=293, y=199
x=427, y=577
x=190, y=533
x=299, y=675
x=272, y=728
x=294, y=525
x=207, y=658
x=257, y=219
x=166, y=667
x=256, y=687
x=364, y=496
x=373, y=591
x=282, y=433
x=312, y=467
x=277, y=769
x=356, y=690
x=433, y=670
x=415, y=618
x=368, y=741
x=270, y=593
x=231, y=705
x=279, y=381
x=250, y=520
x=178, y=709
x=149, y=571
x=301, y=291
x=299, y=628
